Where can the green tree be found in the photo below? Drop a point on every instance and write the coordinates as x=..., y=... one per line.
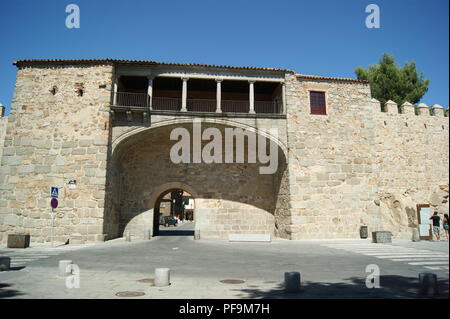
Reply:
x=391, y=82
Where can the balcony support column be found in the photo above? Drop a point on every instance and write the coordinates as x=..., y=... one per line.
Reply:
x=283, y=97
x=150, y=91
x=219, y=96
x=184, y=95
x=115, y=88
x=252, y=97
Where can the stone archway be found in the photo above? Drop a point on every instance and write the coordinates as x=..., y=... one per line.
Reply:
x=168, y=186
x=124, y=137
x=229, y=198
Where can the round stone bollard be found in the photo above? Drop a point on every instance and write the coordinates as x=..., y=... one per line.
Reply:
x=428, y=284
x=63, y=267
x=5, y=263
x=162, y=277
x=292, y=282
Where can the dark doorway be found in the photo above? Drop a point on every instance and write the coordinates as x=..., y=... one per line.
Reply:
x=174, y=214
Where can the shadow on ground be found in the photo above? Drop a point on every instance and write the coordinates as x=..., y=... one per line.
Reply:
x=16, y=268
x=176, y=233
x=354, y=288
x=7, y=292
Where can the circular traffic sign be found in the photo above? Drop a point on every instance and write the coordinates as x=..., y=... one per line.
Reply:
x=54, y=203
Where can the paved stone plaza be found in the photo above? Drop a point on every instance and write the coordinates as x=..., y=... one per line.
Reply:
x=329, y=269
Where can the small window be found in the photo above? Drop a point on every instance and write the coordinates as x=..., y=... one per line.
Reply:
x=53, y=90
x=317, y=103
x=79, y=88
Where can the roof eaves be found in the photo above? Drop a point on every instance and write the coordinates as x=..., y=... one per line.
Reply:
x=19, y=63
x=326, y=78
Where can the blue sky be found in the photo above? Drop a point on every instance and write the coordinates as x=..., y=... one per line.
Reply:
x=320, y=37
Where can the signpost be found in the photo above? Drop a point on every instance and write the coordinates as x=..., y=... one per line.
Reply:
x=53, y=204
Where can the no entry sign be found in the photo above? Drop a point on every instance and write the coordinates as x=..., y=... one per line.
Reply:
x=54, y=203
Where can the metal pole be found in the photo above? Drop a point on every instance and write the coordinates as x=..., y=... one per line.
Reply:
x=53, y=225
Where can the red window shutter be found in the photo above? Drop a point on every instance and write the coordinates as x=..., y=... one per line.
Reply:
x=317, y=103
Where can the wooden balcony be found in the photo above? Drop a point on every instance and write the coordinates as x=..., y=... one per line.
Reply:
x=143, y=101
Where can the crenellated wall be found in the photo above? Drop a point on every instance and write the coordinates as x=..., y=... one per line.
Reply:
x=363, y=163
x=412, y=158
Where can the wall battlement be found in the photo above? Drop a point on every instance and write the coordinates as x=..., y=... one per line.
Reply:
x=412, y=158
x=390, y=107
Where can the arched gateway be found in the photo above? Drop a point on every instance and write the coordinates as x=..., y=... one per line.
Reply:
x=229, y=197
x=164, y=191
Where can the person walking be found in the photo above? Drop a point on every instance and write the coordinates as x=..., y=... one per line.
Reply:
x=445, y=222
x=436, y=225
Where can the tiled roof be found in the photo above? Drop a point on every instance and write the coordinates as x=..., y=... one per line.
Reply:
x=316, y=77
x=20, y=63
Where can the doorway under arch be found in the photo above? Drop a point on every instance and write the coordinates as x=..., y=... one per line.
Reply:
x=174, y=205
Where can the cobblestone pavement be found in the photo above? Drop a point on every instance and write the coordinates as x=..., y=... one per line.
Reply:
x=329, y=269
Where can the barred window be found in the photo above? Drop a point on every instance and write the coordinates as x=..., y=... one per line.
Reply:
x=317, y=102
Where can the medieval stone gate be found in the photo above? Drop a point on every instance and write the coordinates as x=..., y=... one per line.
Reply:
x=344, y=160
x=229, y=197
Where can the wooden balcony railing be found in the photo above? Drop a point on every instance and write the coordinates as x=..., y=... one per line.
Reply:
x=132, y=99
x=201, y=105
x=267, y=107
x=194, y=105
x=230, y=106
x=166, y=103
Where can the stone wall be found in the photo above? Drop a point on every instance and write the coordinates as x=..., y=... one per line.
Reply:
x=57, y=131
x=412, y=163
x=362, y=164
x=3, y=124
x=356, y=166
x=332, y=179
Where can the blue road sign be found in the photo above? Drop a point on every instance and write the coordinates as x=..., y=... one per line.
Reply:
x=54, y=203
x=54, y=192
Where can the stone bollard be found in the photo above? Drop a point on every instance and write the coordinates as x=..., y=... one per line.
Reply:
x=63, y=267
x=5, y=263
x=292, y=282
x=147, y=234
x=428, y=284
x=381, y=237
x=162, y=277
x=415, y=235
x=128, y=236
